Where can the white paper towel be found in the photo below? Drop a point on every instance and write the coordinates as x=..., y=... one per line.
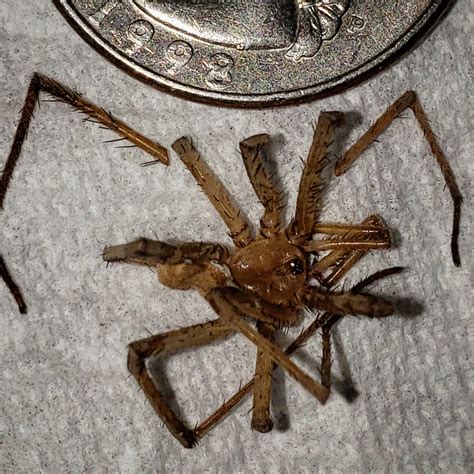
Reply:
x=67, y=403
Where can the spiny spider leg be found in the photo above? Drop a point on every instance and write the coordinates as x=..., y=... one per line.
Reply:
x=326, y=360
x=409, y=100
x=349, y=303
x=40, y=83
x=333, y=244
x=261, y=418
x=366, y=237
x=215, y=191
x=300, y=341
x=343, y=229
x=251, y=149
x=164, y=344
x=309, y=202
x=345, y=261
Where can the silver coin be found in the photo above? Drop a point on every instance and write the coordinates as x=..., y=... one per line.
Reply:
x=252, y=52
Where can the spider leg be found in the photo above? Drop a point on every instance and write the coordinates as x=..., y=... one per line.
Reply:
x=331, y=319
x=326, y=361
x=343, y=229
x=160, y=346
x=268, y=317
x=251, y=150
x=153, y=252
x=12, y=286
x=352, y=237
x=411, y=101
x=328, y=319
x=309, y=201
x=348, y=244
x=40, y=83
x=261, y=418
x=215, y=191
x=349, y=303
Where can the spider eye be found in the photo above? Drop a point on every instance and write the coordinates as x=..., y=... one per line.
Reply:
x=296, y=267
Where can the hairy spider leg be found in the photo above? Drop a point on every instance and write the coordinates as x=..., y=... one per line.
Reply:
x=409, y=100
x=326, y=360
x=262, y=390
x=252, y=155
x=369, y=237
x=215, y=191
x=330, y=319
x=40, y=83
x=309, y=201
x=165, y=344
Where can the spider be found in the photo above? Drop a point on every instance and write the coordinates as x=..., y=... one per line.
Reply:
x=269, y=277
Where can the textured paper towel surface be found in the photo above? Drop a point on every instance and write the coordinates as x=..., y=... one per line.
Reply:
x=67, y=403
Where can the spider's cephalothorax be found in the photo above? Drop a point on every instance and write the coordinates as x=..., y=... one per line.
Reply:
x=271, y=268
x=269, y=277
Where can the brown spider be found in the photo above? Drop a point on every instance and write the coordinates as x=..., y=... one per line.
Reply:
x=270, y=277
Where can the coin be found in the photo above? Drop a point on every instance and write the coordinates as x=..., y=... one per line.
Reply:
x=252, y=52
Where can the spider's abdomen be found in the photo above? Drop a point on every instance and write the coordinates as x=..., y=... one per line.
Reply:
x=274, y=269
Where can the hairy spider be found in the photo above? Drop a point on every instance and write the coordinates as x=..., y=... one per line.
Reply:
x=269, y=277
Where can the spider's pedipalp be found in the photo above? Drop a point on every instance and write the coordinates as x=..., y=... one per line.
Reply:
x=153, y=252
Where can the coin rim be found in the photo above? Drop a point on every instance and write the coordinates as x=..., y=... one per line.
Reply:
x=432, y=16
